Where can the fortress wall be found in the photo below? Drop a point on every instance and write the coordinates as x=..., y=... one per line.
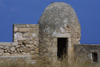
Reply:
x=26, y=41
x=86, y=52
x=27, y=37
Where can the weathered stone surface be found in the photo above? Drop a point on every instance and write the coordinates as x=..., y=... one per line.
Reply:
x=32, y=52
x=17, y=46
x=27, y=34
x=20, y=25
x=32, y=25
x=31, y=30
x=26, y=53
x=1, y=47
x=18, y=49
x=1, y=54
x=1, y=50
x=30, y=46
x=27, y=38
x=20, y=42
x=36, y=43
x=6, y=54
x=5, y=51
x=13, y=58
x=12, y=48
x=55, y=40
x=5, y=43
x=23, y=29
x=58, y=20
x=26, y=41
x=34, y=56
x=15, y=29
x=36, y=50
x=15, y=43
x=26, y=50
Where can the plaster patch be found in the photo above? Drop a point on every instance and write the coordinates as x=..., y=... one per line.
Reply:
x=65, y=20
x=33, y=35
x=18, y=35
x=62, y=29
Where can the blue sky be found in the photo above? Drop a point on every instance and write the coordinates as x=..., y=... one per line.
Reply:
x=29, y=12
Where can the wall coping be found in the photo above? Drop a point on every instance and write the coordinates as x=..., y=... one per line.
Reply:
x=87, y=44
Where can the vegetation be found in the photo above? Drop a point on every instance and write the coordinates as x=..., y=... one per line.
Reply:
x=43, y=62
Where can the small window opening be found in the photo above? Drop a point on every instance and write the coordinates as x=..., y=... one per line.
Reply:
x=95, y=57
x=62, y=44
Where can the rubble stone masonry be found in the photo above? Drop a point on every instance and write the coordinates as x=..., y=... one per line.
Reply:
x=26, y=41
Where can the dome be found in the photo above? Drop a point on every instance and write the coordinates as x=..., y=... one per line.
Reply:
x=57, y=17
x=58, y=20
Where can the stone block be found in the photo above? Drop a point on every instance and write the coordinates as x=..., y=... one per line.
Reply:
x=54, y=44
x=5, y=43
x=6, y=47
x=52, y=49
x=27, y=35
x=26, y=53
x=26, y=50
x=20, y=25
x=26, y=41
x=34, y=56
x=1, y=50
x=34, y=35
x=5, y=51
x=36, y=50
x=8, y=50
x=32, y=25
x=47, y=39
x=32, y=52
x=17, y=46
x=31, y=42
x=1, y=47
x=21, y=50
x=18, y=35
x=15, y=29
x=48, y=44
x=12, y=49
x=1, y=54
x=18, y=49
x=31, y=30
x=15, y=43
x=36, y=43
x=20, y=42
x=30, y=46
x=55, y=40
x=14, y=39
x=23, y=29
x=37, y=38
x=21, y=39
x=6, y=54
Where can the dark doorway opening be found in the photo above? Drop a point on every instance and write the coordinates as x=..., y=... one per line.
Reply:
x=95, y=57
x=62, y=44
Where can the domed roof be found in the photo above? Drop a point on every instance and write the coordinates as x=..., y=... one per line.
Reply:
x=58, y=16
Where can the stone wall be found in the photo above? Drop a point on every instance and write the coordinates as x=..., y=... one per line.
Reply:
x=26, y=41
x=85, y=51
x=58, y=20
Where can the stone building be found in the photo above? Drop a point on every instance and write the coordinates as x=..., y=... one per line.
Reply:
x=56, y=34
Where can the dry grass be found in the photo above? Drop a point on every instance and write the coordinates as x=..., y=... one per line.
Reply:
x=43, y=62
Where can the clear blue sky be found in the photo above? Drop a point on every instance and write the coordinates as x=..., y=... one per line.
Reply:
x=29, y=12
